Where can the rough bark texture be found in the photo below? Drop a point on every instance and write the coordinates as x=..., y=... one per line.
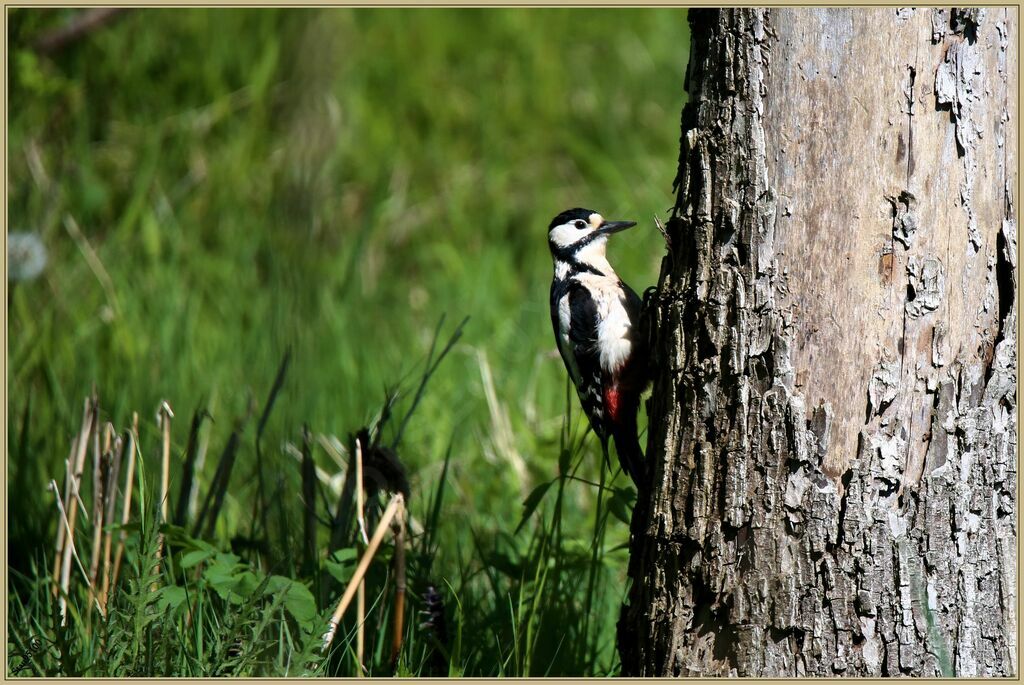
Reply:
x=833, y=421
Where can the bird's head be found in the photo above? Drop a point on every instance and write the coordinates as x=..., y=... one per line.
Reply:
x=579, y=233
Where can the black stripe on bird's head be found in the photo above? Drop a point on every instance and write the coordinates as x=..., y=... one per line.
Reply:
x=574, y=229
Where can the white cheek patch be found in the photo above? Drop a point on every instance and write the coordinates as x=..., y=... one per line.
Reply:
x=567, y=234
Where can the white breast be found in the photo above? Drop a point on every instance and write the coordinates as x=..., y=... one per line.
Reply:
x=594, y=255
x=612, y=332
x=613, y=322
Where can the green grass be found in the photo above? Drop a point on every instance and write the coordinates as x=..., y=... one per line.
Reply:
x=215, y=187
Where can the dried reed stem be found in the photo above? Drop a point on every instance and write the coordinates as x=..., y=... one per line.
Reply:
x=385, y=520
x=88, y=425
x=361, y=592
x=73, y=552
x=82, y=24
x=62, y=531
x=399, y=617
x=69, y=479
x=129, y=479
x=98, y=459
x=64, y=518
x=111, y=506
x=164, y=416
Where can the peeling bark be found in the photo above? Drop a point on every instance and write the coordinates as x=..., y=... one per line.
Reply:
x=833, y=420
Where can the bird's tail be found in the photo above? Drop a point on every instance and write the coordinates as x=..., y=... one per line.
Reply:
x=627, y=445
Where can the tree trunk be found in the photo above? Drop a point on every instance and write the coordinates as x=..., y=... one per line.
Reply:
x=833, y=422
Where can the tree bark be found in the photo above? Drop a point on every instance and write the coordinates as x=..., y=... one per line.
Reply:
x=833, y=423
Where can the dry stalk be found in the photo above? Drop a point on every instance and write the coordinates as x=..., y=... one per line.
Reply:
x=361, y=592
x=73, y=552
x=129, y=479
x=111, y=504
x=399, y=617
x=98, y=460
x=164, y=416
x=64, y=518
x=69, y=480
x=88, y=425
x=83, y=23
x=61, y=529
x=396, y=503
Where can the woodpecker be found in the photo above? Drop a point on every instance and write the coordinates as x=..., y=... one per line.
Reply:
x=596, y=319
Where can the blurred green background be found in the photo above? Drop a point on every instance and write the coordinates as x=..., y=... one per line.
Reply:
x=215, y=186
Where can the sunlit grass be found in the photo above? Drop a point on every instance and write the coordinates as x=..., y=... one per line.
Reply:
x=333, y=181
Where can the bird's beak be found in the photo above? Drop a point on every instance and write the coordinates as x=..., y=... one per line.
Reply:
x=609, y=227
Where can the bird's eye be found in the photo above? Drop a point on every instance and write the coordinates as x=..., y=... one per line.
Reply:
x=581, y=224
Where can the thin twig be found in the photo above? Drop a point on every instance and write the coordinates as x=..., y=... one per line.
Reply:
x=385, y=520
x=83, y=24
x=664, y=232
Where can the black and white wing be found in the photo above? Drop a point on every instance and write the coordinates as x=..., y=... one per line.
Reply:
x=560, y=321
x=582, y=339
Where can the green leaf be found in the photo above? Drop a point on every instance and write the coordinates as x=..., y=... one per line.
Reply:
x=344, y=556
x=532, y=502
x=342, y=564
x=179, y=537
x=226, y=559
x=195, y=558
x=222, y=574
x=620, y=504
x=170, y=597
x=298, y=600
x=247, y=583
x=564, y=461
